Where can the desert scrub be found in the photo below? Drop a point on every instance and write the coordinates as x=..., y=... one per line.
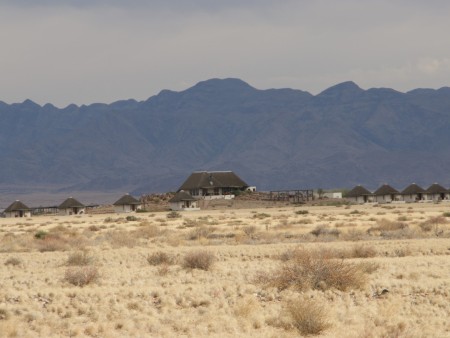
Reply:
x=173, y=214
x=81, y=276
x=261, y=215
x=199, y=232
x=308, y=316
x=4, y=314
x=132, y=218
x=160, y=257
x=200, y=259
x=14, y=261
x=41, y=234
x=79, y=258
x=306, y=269
x=323, y=230
x=302, y=212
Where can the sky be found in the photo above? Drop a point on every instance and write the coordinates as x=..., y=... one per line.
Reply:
x=86, y=51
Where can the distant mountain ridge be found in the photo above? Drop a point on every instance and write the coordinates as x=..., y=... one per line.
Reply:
x=274, y=139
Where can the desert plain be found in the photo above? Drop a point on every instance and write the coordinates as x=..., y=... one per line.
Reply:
x=275, y=271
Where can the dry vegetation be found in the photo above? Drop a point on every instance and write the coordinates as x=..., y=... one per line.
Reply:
x=283, y=271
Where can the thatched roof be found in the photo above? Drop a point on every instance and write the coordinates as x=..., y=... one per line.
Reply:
x=181, y=196
x=357, y=191
x=436, y=189
x=127, y=200
x=70, y=203
x=17, y=206
x=213, y=179
x=385, y=189
x=413, y=189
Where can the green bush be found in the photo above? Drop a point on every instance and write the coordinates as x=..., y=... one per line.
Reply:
x=41, y=234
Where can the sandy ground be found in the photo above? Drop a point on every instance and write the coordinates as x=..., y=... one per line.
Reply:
x=408, y=244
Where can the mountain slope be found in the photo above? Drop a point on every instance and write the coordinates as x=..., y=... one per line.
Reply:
x=275, y=139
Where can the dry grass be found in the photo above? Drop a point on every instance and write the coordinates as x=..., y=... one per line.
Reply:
x=344, y=273
x=308, y=316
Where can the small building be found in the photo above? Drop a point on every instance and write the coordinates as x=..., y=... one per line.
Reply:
x=183, y=201
x=17, y=209
x=71, y=207
x=436, y=193
x=213, y=184
x=413, y=193
x=336, y=194
x=127, y=203
x=386, y=194
x=359, y=194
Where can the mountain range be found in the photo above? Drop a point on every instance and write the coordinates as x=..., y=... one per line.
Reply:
x=274, y=139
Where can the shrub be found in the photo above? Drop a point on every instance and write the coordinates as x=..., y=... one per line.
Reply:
x=14, y=261
x=147, y=231
x=261, y=215
x=94, y=228
x=302, y=212
x=52, y=242
x=4, y=314
x=308, y=316
x=41, y=234
x=433, y=223
x=323, y=230
x=159, y=258
x=363, y=251
x=79, y=258
x=446, y=214
x=131, y=218
x=249, y=230
x=173, y=214
x=81, y=276
x=315, y=270
x=202, y=260
x=200, y=232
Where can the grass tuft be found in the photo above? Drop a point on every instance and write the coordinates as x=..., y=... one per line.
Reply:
x=201, y=259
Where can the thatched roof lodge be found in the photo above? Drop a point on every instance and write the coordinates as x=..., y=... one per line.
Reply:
x=127, y=203
x=71, y=206
x=17, y=209
x=436, y=192
x=183, y=201
x=213, y=184
x=386, y=194
x=359, y=194
x=413, y=193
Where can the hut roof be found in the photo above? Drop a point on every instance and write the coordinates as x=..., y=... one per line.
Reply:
x=181, y=196
x=213, y=179
x=413, y=189
x=16, y=206
x=359, y=190
x=436, y=189
x=385, y=189
x=127, y=199
x=70, y=203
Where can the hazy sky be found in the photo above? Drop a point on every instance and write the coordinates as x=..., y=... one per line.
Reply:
x=64, y=51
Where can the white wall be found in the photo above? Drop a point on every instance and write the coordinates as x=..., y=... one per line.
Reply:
x=70, y=211
x=181, y=206
x=17, y=214
x=126, y=208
